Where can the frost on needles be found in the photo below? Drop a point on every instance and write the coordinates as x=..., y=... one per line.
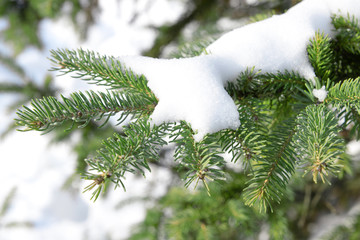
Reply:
x=250, y=93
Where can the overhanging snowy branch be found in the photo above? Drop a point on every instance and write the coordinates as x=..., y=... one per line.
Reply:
x=261, y=93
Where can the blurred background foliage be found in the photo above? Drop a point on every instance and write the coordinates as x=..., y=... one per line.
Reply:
x=24, y=17
x=181, y=212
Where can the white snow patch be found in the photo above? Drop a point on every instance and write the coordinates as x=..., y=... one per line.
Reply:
x=153, y=13
x=187, y=92
x=252, y=2
x=353, y=149
x=58, y=33
x=114, y=35
x=327, y=223
x=4, y=23
x=277, y=43
x=34, y=64
x=320, y=94
x=192, y=89
x=344, y=7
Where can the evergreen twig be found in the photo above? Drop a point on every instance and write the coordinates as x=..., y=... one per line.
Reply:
x=348, y=32
x=273, y=171
x=129, y=152
x=48, y=112
x=321, y=55
x=318, y=146
x=200, y=160
x=101, y=70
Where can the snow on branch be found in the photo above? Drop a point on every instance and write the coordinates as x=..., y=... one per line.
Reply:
x=192, y=89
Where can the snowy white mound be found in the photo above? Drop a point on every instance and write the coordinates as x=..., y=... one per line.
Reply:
x=192, y=89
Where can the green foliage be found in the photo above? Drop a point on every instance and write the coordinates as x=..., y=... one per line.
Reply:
x=48, y=112
x=23, y=29
x=101, y=70
x=46, y=8
x=24, y=18
x=344, y=96
x=193, y=215
x=279, y=226
x=22, y=86
x=273, y=171
x=124, y=153
x=265, y=85
x=201, y=160
x=346, y=46
x=246, y=142
x=321, y=55
x=318, y=143
x=283, y=130
x=284, y=133
x=185, y=215
x=349, y=33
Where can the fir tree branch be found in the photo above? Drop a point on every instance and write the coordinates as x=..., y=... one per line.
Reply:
x=266, y=85
x=48, y=112
x=348, y=32
x=128, y=153
x=345, y=97
x=318, y=146
x=101, y=70
x=247, y=141
x=273, y=171
x=321, y=56
x=286, y=83
x=345, y=94
x=247, y=82
x=201, y=160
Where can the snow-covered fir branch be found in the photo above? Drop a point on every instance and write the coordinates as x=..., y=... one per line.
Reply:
x=255, y=93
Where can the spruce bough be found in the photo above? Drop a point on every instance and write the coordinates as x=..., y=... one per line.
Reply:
x=284, y=129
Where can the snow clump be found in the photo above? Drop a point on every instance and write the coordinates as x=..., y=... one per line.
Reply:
x=320, y=94
x=192, y=89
